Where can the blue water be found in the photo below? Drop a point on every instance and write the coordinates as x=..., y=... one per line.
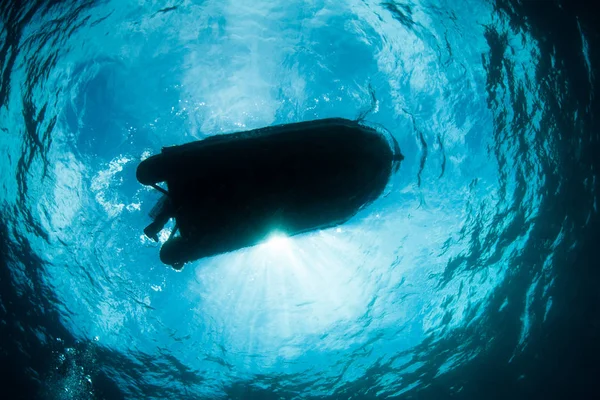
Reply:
x=455, y=266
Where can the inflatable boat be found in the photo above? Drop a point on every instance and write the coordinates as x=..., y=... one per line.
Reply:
x=232, y=191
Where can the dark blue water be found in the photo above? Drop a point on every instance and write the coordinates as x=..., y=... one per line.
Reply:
x=475, y=276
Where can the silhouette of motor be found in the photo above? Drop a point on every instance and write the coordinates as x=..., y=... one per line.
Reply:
x=233, y=191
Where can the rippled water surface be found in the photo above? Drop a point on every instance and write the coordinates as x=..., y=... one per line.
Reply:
x=449, y=284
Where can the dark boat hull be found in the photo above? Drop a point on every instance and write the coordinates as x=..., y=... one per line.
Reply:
x=233, y=191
